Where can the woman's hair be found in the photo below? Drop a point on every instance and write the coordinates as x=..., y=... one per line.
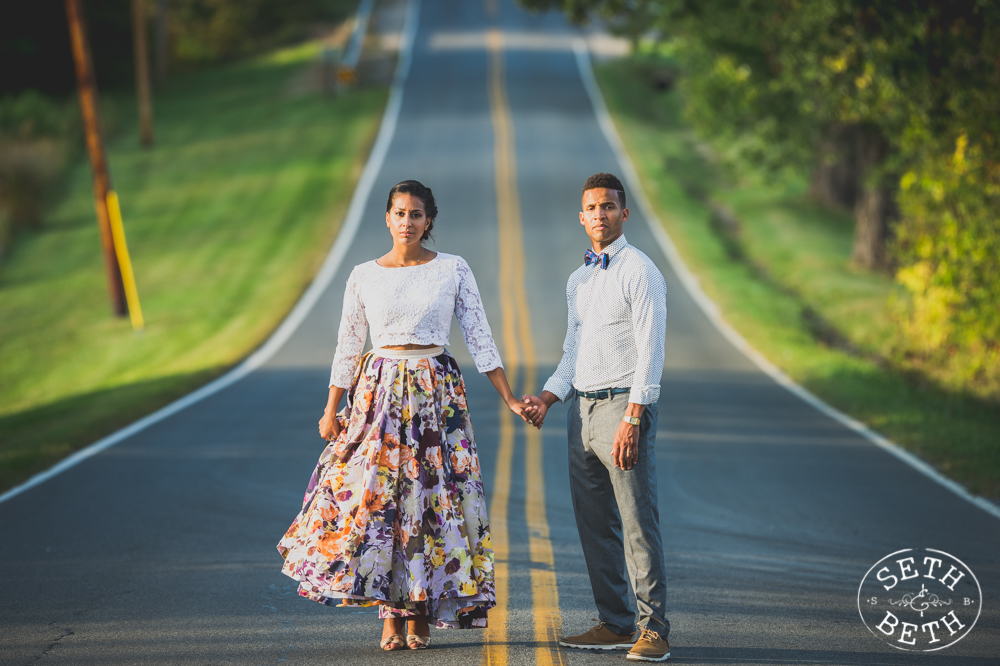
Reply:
x=419, y=190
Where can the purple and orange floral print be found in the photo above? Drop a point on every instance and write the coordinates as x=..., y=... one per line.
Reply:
x=395, y=513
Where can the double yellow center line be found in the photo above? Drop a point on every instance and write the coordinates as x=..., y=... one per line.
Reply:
x=519, y=349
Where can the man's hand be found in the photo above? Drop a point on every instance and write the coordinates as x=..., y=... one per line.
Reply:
x=626, y=448
x=535, y=409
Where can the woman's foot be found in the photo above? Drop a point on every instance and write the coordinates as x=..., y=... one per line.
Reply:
x=418, y=633
x=392, y=638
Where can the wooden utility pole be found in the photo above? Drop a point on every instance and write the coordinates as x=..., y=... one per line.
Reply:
x=161, y=41
x=95, y=149
x=140, y=52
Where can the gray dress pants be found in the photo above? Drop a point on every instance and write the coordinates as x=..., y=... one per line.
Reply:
x=617, y=515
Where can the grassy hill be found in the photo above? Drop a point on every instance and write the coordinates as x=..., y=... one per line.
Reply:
x=228, y=218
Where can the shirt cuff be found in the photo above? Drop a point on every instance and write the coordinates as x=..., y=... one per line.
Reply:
x=341, y=379
x=488, y=365
x=487, y=360
x=644, y=395
x=558, y=388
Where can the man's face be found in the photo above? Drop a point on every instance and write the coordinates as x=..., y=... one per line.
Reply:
x=602, y=216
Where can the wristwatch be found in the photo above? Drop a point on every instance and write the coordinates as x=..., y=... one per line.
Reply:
x=631, y=420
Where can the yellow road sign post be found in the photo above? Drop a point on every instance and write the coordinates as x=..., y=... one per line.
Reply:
x=125, y=263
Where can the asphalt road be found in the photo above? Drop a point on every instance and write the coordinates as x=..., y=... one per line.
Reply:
x=161, y=550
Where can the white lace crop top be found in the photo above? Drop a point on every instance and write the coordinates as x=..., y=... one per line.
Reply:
x=411, y=305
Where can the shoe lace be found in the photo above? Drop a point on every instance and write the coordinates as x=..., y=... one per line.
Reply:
x=649, y=634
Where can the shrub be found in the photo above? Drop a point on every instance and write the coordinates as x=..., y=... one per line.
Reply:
x=34, y=133
x=207, y=30
x=31, y=115
x=27, y=168
x=949, y=251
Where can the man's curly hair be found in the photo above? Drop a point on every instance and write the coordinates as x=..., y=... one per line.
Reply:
x=607, y=181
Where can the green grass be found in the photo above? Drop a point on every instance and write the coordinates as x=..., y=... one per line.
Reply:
x=782, y=278
x=228, y=218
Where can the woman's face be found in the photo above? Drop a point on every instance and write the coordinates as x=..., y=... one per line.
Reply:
x=406, y=219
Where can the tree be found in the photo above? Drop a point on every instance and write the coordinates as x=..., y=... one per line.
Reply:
x=833, y=86
x=894, y=105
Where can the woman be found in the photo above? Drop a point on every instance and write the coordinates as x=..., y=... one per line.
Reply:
x=395, y=513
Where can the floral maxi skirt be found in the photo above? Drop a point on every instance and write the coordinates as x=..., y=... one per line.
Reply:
x=395, y=513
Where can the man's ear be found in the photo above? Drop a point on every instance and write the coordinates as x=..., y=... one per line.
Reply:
x=624, y=214
x=581, y=219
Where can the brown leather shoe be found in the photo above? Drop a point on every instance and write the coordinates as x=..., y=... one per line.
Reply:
x=650, y=647
x=599, y=638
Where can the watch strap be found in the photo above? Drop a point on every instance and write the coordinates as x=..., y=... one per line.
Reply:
x=631, y=420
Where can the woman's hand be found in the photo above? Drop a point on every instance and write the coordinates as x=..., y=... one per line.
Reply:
x=329, y=426
x=522, y=409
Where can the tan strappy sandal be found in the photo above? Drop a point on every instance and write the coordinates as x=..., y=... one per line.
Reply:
x=394, y=642
x=415, y=642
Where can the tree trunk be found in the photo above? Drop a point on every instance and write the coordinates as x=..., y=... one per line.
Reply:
x=162, y=45
x=90, y=110
x=869, y=230
x=144, y=98
x=821, y=187
x=871, y=209
x=834, y=181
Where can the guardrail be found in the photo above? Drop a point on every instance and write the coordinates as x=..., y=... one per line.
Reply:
x=348, y=66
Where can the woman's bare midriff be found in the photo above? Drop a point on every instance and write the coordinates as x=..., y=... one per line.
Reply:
x=410, y=346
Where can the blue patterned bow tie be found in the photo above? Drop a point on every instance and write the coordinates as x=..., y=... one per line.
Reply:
x=591, y=257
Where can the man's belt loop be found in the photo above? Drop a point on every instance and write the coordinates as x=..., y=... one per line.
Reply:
x=603, y=394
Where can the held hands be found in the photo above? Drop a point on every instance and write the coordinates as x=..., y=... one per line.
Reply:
x=535, y=408
x=499, y=381
x=525, y=412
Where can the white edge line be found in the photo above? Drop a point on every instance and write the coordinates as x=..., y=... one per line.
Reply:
x=711, y=310
x=305, y=304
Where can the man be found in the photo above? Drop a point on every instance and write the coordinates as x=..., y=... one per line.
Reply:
x=610, y=372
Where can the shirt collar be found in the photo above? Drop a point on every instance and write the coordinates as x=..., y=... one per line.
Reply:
x=616, y=247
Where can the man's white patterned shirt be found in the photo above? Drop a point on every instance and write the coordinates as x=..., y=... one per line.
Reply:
x=616, y=327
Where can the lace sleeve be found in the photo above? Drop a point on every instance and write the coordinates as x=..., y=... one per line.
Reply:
x=351, y=337
x=472, y=320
